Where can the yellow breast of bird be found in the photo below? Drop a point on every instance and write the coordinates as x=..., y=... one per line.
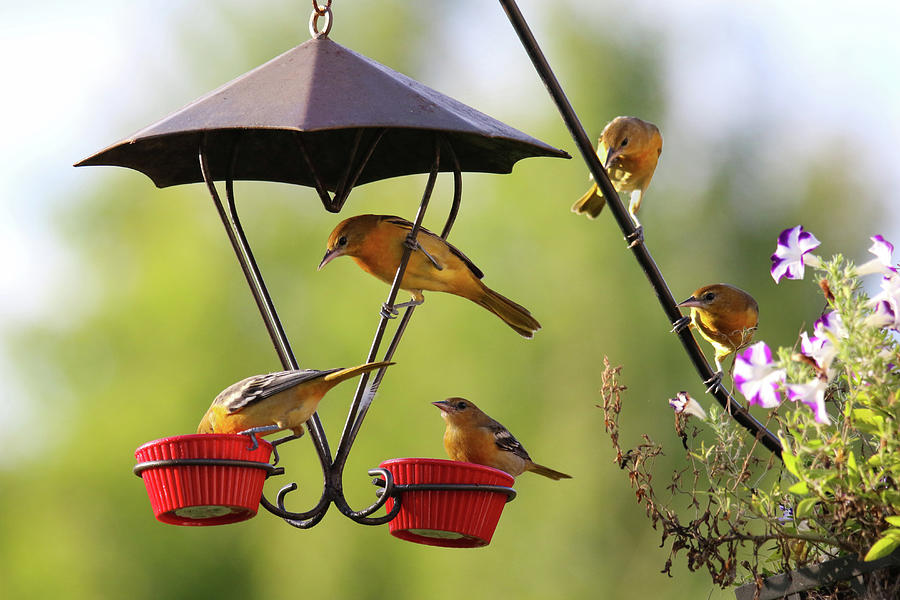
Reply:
x=477, y=445
x=726, y=331
x=633, y=172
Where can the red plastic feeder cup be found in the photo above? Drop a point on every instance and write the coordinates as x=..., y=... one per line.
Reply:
x=446, y=503
x=204, y=479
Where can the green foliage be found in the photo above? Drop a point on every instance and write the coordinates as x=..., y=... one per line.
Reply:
x=837, y=491
x=846, y=470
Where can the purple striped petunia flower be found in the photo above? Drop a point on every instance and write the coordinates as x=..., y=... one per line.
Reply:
x=886, y=304
x=684, y=403
x=792, y=254
x=756, y=378
x=883, y=250
x=822, y=345
x=811, y=394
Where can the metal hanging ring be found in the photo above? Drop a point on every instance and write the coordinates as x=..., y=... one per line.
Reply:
x=320, y=10
x=314, y=21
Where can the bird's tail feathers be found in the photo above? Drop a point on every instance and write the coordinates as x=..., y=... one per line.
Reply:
x=547, y=472
x=514, y=315
x=591, y=203
x=339, y=376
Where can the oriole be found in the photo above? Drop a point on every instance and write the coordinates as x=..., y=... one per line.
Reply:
x=472, y=436
x=276, y=401
x=726, y=317
x=376, y=244
x=630, y=149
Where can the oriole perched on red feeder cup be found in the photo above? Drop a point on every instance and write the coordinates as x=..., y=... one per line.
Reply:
x=472, y=436
x=268, y=403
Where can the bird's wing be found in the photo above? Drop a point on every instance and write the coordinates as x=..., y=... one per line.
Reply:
x=507, y=442
x=259, y=387
x=404, y=224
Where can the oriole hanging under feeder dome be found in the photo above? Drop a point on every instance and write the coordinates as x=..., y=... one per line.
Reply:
x=321, y=115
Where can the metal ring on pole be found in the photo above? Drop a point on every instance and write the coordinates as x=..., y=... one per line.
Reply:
x=314, y=22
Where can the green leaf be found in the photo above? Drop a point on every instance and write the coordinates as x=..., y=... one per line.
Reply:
x=893, y=520
x=891, y=498
x=851, y=463
x=804, y=508
x=800, y=488
x=884, y=546
x=868, y=416
x=790, y=463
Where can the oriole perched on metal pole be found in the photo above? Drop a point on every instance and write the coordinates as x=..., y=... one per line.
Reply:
x=629, y=149
x=725, y=316
x=376, y=244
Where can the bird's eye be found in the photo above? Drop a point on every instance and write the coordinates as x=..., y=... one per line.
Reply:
x=342, y=241
x=624, y=142
x=461, y=405
x=709, y=296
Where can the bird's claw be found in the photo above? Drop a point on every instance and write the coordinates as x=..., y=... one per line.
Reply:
x=391, y=312
x=254, y=443
x=635, y=237
x=388, y=311
x=251, y=433
x=713, y=382
x=680, y=324
x=414, y=245
x=409, y=304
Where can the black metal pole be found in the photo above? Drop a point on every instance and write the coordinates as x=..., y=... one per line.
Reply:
x=248, y=265
x=666, y=300
x=363, y=397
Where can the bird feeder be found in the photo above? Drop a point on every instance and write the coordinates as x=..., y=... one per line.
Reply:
x=323, y=116
x=446, y=503
x=204, y=479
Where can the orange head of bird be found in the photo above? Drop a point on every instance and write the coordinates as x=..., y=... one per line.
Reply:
x=625, y=137
x=457, y=410
x=724, y=309
x=348, y=237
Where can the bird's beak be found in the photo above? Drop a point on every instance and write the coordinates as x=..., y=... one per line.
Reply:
x=690, y=303
x=612, y=155
x=329, y=256
x=444, y=406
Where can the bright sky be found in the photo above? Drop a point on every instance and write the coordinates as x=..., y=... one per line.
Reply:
x=819, y=66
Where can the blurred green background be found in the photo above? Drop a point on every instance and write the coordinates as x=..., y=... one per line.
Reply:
x=145, y=316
